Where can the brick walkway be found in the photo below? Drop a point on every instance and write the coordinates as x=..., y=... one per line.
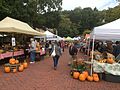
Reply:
x=41, y=76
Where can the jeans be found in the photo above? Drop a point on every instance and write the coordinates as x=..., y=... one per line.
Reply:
x=55, y=59
x=32, y=56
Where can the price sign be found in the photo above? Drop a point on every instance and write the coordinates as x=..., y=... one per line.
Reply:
x=13, y=41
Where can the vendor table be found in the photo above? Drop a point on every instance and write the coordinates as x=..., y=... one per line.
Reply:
x=40, y=54
x=9, y=54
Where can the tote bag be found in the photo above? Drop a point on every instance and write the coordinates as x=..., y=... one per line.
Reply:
x=53, y=53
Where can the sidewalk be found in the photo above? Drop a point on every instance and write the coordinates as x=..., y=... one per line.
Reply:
x=42, y=76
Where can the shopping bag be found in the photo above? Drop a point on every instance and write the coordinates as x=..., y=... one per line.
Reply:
x=53, y=53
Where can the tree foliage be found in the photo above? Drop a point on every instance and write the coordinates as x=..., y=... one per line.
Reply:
x=47, y=13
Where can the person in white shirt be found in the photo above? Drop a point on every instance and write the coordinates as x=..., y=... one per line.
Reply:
x=32, y=50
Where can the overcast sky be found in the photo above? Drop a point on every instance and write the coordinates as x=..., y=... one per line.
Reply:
x=100, y=4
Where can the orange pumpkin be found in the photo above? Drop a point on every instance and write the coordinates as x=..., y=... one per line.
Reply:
x=86, y=73
x=96, y=79
x=95, y=75
x=90, y=78
x=82, y=77
x=16, y=61
x=14, y=70
x=12, y=61
x=25, y=64
x=7, y=69
x=21, y=68
x=76, y=75
x=110, y=60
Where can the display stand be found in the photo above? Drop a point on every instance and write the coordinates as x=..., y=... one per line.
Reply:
x=111, y=78
x=12, y=66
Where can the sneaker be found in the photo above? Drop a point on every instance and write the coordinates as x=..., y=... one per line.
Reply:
x=55, y=68
x=31, y=62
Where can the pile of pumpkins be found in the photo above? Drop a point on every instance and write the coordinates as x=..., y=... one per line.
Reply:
x=85, y=76
x=21, y=67
x=109, y=60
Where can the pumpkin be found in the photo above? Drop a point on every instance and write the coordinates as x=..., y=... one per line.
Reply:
x=25, y=64
x=16, y=61
x=95, y=75
x=82, y=77
x=76, y=75
x=86, y=73
x=14, y=70
x=21, y=68
x=90, y=78
x=12, y=61
x=7, y=69
x=110, y=60
x=96, y=79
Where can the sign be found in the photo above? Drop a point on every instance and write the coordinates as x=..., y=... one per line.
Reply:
x=13, y=41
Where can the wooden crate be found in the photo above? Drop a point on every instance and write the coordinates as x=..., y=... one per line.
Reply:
x=13, y=66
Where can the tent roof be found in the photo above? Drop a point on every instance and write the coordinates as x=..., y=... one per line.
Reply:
x=12, y=25
x=109, y=31
x=48, y=33
x=68, y=39
x=51, y=36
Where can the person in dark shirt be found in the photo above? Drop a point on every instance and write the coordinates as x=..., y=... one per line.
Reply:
x=73, y=53
x=116, y=49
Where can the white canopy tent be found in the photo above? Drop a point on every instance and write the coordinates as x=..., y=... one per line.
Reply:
x=109, y=31
x=50, y=36
x=11, y=25
x=76, y=38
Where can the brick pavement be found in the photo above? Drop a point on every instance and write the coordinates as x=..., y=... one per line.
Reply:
x=41, y=76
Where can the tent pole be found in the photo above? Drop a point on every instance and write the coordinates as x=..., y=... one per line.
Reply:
x=92, y=54
x=88, y=47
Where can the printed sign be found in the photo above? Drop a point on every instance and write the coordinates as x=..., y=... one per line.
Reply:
x=13, y=41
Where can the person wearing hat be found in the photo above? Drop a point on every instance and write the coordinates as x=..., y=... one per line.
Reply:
x=32, y=50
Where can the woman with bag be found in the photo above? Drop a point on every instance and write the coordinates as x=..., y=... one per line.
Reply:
x=56, y=53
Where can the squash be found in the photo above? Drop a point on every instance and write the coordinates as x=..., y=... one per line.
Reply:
x=12, y=61
x=90, y=78
x=82, y=77
x=21, y=68
x=16, y=61
x=7, y=69
x=95, y=75
x=86, y=73
x=76, y=75
x=25, y=64
x=110, y=60
x=96, y=79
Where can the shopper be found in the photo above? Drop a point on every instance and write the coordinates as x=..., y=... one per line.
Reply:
x=32, y=50
x=73, y=53
x=58, y=53
x=116, y=49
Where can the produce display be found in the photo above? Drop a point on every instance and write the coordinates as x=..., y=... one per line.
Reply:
x=85, y=76
x=80, y=71
x=14, y=66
